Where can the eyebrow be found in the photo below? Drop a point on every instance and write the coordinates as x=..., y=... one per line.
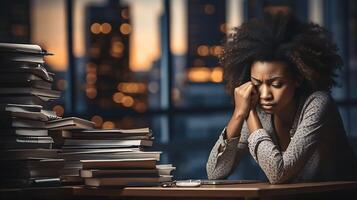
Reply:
x=269, y=80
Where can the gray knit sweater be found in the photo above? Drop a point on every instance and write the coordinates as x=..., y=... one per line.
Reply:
x=318, y=150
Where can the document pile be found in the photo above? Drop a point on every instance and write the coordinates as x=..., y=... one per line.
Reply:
x=111, y=157
x=26, y=150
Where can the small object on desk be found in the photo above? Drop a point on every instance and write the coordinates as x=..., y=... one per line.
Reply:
x=226, y=182
x=188, y=183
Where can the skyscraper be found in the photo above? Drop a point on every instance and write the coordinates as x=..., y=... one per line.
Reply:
x=107, y=43
x=206, y=30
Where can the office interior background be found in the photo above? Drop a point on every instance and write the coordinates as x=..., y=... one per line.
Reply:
x=153, y=63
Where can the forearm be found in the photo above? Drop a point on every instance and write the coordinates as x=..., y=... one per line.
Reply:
x=225, y=155
x=253, y=121
x=235, y=125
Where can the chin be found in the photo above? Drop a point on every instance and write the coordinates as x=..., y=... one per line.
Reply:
x=268, y=111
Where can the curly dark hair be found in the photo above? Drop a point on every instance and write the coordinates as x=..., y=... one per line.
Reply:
x=306, y=48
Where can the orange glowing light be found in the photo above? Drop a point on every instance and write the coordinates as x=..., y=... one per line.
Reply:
x=223, y=28
x=125, y=29
x=203, y=50
x=95, y=28
x=108, y=125
x=128, y=101
x=91, y=92
x=91, y=78
x=106, y=28
x=217, y=75
x=124, y=14
x=199, y=74
x=117, y=97
x=59, y=110
x=131, y=87
x=98, y=120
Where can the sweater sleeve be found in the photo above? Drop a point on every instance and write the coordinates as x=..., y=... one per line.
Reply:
x=279, y=166
x=226, y=154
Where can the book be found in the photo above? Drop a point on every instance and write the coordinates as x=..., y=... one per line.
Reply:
x=22, y=142
x=137, y=131
x=26, y=115
x=30, y=182
x=30, y=91
x=22, y=154
x=113, y=155
x=96, y=173
x=26, y=73
x=71, y=179
x=98, y=151
x=22, y=48
x=33, y=163
x=126, y=181
x=143, y=163
x=12, y=122
x=127, y=134
x=23, y=132
x=70, y=123
x=30, y=173
x=22, y=52
x=25, y=99
x=108, y=142
x=90, y=150
x=26, y=83
x=50, y=114
x=20, y=108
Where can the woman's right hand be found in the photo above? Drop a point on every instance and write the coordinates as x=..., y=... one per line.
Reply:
x=244, y=95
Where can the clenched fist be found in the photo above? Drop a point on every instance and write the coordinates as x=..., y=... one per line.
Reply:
x=245, y=99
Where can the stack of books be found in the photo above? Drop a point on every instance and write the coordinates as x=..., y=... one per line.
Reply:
x=125, y=172
x=69, y=174
x=118, y=155
x=38, y=147
x=23, y=76
x=25, y=146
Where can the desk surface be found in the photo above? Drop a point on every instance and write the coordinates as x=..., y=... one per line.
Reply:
x=253, y=190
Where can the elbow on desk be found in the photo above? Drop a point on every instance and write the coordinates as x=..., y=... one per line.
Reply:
x=277, y=178
x=214, y=173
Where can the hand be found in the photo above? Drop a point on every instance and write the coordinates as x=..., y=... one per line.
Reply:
x=245, y=99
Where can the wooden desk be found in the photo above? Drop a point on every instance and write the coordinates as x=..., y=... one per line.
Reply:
x=325, y=190
x=38, y=193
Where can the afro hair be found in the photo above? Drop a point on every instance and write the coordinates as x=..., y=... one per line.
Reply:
x=305, y=47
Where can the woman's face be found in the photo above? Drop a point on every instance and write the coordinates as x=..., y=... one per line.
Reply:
x=275, y=85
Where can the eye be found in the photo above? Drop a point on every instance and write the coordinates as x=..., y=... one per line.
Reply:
x=277, y=85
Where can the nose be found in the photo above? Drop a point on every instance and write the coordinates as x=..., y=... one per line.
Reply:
x=265, y=93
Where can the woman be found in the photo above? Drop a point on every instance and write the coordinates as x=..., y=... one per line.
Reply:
x=280, y=73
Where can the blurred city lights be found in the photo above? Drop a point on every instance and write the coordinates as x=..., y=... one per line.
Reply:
x=98, y=120
x=125, y=28
x=203, y=50
x=106, y=28
x=95, y=28
x=59, y=110
x=108, y=125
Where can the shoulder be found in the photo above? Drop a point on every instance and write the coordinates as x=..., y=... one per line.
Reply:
x=317, y=103
x=318, y=99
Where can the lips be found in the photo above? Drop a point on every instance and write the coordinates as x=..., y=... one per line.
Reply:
x=267, y=106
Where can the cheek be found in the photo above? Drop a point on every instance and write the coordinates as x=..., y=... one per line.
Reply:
x=283, y=96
